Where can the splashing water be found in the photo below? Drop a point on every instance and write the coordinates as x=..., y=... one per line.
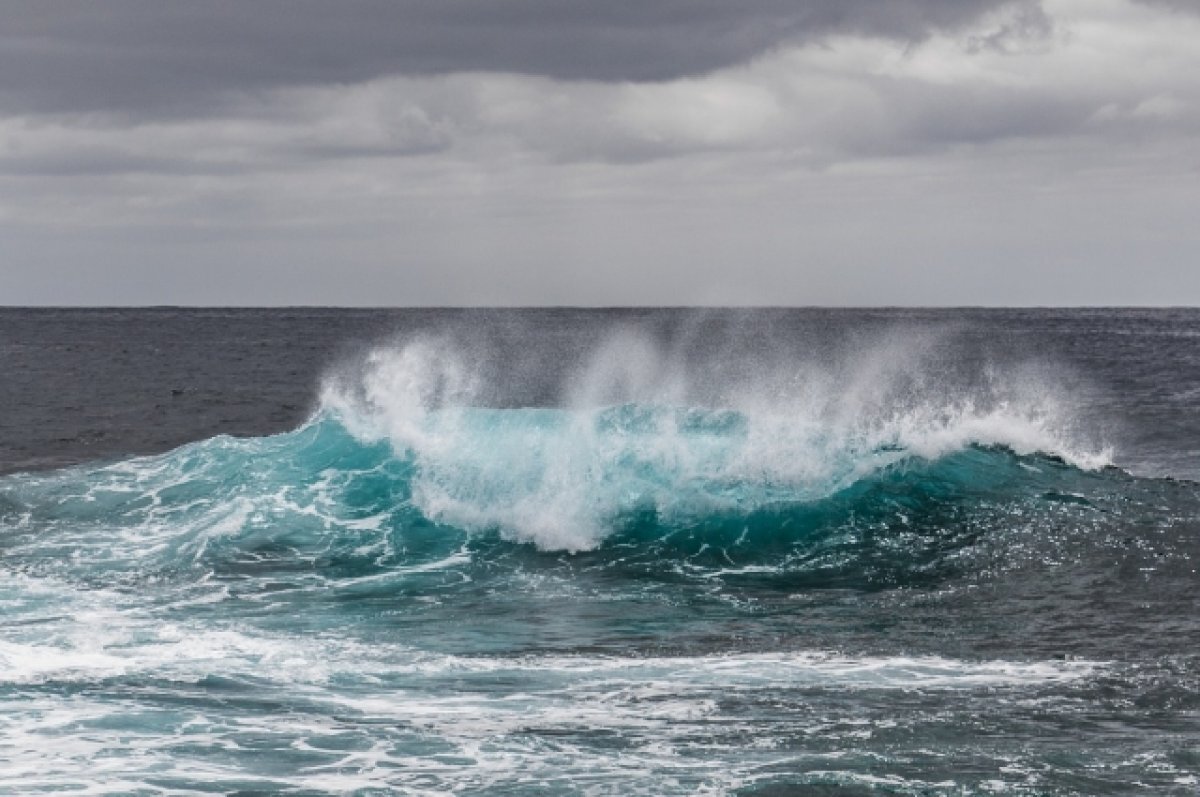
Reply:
x=637, y=433
x=757, y=568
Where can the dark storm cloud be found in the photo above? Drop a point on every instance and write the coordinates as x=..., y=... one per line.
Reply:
x=153, y=57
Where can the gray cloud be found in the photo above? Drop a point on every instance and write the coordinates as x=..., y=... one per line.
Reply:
x=160, y=56
x=1015, y=76
x=1177, y=5
x=451, y=151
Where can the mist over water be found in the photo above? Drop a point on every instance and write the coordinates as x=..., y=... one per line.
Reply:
x=623, y=553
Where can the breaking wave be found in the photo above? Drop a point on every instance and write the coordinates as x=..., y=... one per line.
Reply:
x=404, y=469
x=635, y=434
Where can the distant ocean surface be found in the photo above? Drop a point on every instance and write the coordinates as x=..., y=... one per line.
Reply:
x=610, y=552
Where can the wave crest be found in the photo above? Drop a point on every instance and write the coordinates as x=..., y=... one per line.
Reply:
x=636, y=431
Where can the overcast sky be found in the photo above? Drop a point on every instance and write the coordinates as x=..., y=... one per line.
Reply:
x=600, y=152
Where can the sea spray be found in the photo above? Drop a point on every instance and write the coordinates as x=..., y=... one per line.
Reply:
x=639, y=430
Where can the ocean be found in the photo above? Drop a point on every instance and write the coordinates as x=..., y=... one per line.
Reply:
x=600, y=552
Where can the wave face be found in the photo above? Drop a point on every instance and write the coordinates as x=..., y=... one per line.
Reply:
x=680, y=484
x=739, y=574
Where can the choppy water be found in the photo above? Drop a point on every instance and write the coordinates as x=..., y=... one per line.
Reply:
x=612, y=552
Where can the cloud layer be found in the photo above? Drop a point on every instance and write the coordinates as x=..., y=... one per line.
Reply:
x=142, y=55
x=575, y=152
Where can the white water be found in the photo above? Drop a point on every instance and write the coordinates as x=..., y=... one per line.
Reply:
x=639, y=428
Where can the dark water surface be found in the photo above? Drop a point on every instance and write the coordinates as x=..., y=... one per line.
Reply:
x=600, y=552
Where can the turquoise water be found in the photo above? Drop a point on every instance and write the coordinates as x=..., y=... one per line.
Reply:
x=902, y=590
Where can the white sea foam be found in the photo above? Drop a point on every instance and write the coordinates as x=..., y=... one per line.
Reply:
x=66, y=635
x=538, y=723
x=409, y=733
x=96, y=645
x=639, y=428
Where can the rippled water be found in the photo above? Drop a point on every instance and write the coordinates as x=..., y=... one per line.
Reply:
x=568, y=552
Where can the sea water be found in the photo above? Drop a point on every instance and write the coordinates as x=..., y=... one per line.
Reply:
x=600, y=552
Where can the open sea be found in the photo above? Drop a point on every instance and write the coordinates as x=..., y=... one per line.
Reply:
x=609, y=552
